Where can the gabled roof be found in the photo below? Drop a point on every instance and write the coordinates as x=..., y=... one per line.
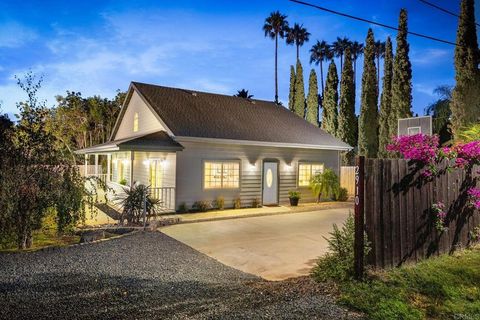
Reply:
x=201, y=115
x=157, y=141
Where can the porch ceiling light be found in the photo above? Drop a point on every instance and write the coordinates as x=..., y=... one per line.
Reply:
x=252, y=165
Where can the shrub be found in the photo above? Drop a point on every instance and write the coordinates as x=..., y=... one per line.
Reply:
x=182, y=207
x=201, y=206
x=338, y=263
x=123, y=182
x=293, y=194
x=325, y=184
x=340, y=195
x=219, y=203
x=256, y=203
x=237, y=203
x=133, y=201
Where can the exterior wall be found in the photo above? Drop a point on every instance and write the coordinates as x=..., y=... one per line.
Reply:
x=189, y=182
x=147, y=121
x=118, y=157
x=141, y=169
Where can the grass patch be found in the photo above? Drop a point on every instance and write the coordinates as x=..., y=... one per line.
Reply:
x=444, y=287
x=43, y=240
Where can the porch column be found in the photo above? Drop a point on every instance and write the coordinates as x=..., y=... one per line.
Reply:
x=85, y=167
x=96, y=165
x=109, y=159
x=131, y=167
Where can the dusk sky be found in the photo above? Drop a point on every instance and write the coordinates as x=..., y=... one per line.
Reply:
x=97, y=47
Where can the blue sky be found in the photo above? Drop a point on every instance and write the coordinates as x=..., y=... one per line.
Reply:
x=97, y=47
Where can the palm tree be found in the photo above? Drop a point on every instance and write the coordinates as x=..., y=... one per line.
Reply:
x=356, y=49
x=276, y=25
x=320, y=52
x=243, y=94
x=379, y=54
x=339, y=47
x=297, y=35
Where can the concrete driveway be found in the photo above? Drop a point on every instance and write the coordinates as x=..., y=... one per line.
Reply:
x=272, y=247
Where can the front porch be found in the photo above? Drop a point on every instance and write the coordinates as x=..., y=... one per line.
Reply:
x=149, y=160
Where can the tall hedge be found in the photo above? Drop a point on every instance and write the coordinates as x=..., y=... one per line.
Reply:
x=312, y=99
x=386, y=121
x=330, y=101
x=368, y=121
x=291, y=94
x=299, y=103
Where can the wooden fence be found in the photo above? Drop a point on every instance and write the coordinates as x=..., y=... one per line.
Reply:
x=397, y=208
x=347, y=179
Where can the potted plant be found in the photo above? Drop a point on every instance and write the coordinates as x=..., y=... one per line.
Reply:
x=294, y=196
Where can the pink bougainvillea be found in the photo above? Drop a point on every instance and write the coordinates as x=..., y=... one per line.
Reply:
x=474, y=195
x=467, y=154
x=418, y=147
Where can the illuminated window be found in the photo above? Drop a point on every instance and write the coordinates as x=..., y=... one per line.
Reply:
x=135, y=122
x=221, y=174
x=120, y=170
x=306, y=171
x=156, y=173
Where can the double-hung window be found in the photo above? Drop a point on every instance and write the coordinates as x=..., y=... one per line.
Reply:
x=221, y=174
x=306, y=171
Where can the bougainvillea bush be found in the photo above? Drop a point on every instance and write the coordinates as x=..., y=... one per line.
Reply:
x=425, y=152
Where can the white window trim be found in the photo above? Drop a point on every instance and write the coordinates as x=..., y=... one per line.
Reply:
x=309, y=163
x=222, y=161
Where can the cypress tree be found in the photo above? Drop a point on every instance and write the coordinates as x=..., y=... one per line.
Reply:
x=368, y=121
x=330, y=101
x=291, y=94
x=465, y=104
x=347, y=121
x=386, y=121
x=312, y=99
x=402, y=76
x=299, y=103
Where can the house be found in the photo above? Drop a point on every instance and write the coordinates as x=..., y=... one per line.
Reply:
x=193, y=146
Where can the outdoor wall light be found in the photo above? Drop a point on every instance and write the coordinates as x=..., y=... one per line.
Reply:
x=252, y=166
x=146, y=162
x=125, y=161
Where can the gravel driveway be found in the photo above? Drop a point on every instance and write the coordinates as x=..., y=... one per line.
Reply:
x=148, y=275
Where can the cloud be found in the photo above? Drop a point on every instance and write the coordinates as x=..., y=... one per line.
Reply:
x=14, y=35
x=424, y=88
x=430, y=56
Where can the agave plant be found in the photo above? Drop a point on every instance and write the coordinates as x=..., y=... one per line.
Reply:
x=325, y=184
x=132, y=203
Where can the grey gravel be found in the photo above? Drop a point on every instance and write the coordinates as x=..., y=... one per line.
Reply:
x=147, y=275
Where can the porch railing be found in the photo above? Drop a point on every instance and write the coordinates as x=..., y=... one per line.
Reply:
x=166, y=195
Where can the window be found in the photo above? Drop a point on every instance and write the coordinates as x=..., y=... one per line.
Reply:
x=156, y=173
x=414, y=130
x=135, y=122
x=221, y=174
x=120, y=170
x=306, y=171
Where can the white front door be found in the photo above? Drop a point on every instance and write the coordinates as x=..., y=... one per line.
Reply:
x=270, y=183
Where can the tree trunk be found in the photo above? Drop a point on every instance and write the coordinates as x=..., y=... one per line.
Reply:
x=319, y=197
x=298, y=53
x=25, y=240
x=378, y=74
x=276, y=79
x=341, y=65
x=321, y=77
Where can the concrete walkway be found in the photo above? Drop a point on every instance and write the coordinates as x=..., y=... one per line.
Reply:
x=273, y=247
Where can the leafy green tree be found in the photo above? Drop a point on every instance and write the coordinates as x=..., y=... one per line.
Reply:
x=297, y=35
x=466, y=94
x=319, y=53
x=312, y=99
x=441, y=113
x=386, y=116
x=243, y=94
x=325, y=184
x=402, y=75
x=339, y=46
x=36, y=176
x=368, y=121
x=299, y=103
x=276, y=25
x=347, y=121
x=330, y=101
x=291, y=94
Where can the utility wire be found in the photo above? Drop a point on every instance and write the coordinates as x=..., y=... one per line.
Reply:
x=372, y=22
x=442, y=9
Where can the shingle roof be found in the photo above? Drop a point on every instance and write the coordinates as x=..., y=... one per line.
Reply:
x=157, y=141
x=197, y=114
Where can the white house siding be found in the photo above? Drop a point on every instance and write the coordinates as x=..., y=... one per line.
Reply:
x=189, y=183
x=147, y=121
x=116, y=158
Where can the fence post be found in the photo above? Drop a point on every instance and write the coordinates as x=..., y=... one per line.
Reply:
x=359, y=216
